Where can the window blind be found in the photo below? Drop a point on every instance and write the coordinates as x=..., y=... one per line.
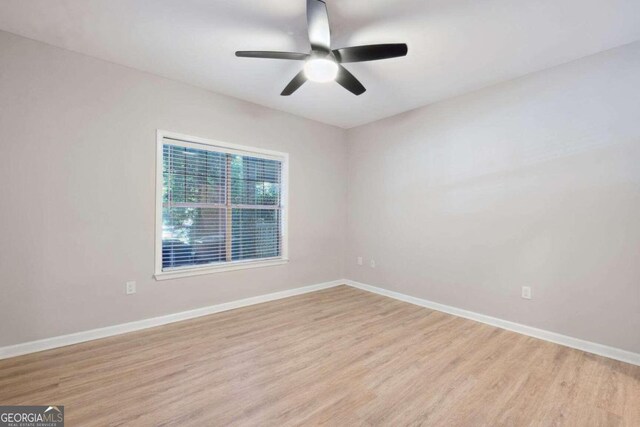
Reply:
x=219, y=207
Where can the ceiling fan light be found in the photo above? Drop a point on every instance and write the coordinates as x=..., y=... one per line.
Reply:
x=321, y=70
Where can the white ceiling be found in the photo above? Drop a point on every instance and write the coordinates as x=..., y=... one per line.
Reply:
x=455, y=46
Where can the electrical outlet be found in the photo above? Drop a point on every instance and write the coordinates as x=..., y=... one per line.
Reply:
x=372, y=263
x=130, y=288
x=526, y=292
x=359, y=260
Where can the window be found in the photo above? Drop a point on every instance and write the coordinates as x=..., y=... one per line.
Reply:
x=219, y=206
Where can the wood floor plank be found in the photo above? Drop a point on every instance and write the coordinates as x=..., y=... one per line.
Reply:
x=340, y=356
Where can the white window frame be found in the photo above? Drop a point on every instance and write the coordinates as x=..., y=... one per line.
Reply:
x=223, y=147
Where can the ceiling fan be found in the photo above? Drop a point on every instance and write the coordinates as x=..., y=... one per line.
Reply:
x=324, y=64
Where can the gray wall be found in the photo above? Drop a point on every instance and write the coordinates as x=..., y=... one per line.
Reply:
x=534, y=182
x=77, y=188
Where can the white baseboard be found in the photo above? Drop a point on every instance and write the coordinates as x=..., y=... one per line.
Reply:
x=78, y=337
x=589, y=347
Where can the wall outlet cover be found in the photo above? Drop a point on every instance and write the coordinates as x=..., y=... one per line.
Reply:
x=130, y=288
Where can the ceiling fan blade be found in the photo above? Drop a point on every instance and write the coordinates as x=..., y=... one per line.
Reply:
x=349, y=82
x=294, y=84
x=318, y=25
x=272, y=55
x=371, y=52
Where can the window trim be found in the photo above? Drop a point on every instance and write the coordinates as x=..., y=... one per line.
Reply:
x=224, y=147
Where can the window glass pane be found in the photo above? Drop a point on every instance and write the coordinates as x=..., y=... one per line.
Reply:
x=193, y=176
x=255, y=233
x=255, y=181
x=192, y=236
x=198, y=215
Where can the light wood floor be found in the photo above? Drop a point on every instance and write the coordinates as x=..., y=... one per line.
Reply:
x=337, y=357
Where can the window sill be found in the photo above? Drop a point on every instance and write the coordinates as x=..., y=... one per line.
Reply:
x=238, y=265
